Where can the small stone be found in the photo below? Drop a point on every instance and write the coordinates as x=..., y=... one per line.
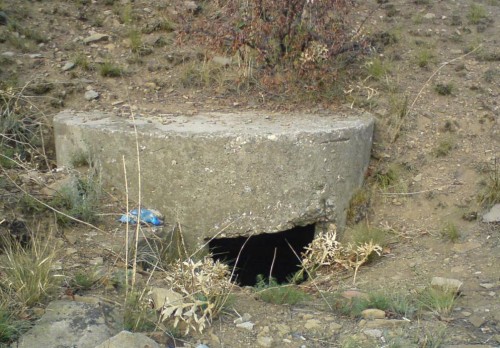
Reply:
x=373, y=313
x=476, y=320
x=8, y=54
x=244, y=318
x=35, y=55
x=335, y=326
x=429, y=16
x=95, y=38
x=313, y=324
x=373, y=333
x=224, y=61
x=162, y=296
x=487, y=285
x=493, y=215
x=68, y=66
x=97, y=261
x=246, y=325
x=70, y=251
x=466, y=314
x=264, y=341
x=91, y=95
x=446, y=284
x=417, y=178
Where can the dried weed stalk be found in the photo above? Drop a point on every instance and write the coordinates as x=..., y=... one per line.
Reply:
x=205, y=285
x=325, y=250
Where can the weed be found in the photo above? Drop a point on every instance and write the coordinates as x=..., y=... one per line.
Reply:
x=358, y=205
x=135, y=40
x=432, y=337
x=456, y=20
x=271, y=292
x=363, y=233
x=160, y=25
x=80, y=198
x=424, y=57
x=138, y=315
x=207, y=74
x=450, y=232
x=125, y=13
x=85, y=280
x=490, y=192
x=7, y=155
x=388, y=177
x=444, y=146
x=109, y=69
x=397, y=304
x=10, y=327
x=82, y=61
x=377, y=68
x=205, y=285
x=80, y=159
x=28, y=272
x=444, y=88
x=476, y=14
x=29, y=205
x=436, y=300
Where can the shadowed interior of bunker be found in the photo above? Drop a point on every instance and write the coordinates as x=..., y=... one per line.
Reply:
x=259, y=251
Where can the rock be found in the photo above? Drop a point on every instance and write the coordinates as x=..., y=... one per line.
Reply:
x=476, y=320
x=97, y=261
x=373, y=313
x=464, y=247
x=313, y=324
x=91, y=95
x=72, y=324
x=245, y=317
x=264, y=341
x=62, y=183
x=373, y=333
x=246, y=325
x=129, y=340
x=162, y=296
x=335, y=326
x=224, y=61
x=429, y=16
x=493, y=215
x=446, y=284
x=95, y=38
x=3, y=18
x=68, y=66
x=8, y=54
x=486, y=285
x=192, y=6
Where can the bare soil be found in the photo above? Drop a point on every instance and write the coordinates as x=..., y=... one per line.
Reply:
x=439, y=152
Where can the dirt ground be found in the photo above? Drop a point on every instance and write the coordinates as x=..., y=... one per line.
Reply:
x=441, y=65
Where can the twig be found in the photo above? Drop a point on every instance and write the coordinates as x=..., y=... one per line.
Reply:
x=413, y=193
x=126, y=227
x=272, y=266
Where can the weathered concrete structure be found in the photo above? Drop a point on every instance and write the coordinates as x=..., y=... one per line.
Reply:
x=245, y=173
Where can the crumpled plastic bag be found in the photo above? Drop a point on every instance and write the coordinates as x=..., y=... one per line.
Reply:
x=148, y=216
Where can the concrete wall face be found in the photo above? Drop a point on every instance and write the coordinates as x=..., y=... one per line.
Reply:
x=244, y=173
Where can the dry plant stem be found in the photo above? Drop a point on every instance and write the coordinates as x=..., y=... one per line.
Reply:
x=414, y=193
x=211, y=239
x=134, y=265
x=310, y=277
x=126, y=228
x=410, y=109
x=45, y=204
x=272, y=266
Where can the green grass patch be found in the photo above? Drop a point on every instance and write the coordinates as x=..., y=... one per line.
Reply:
x=424, y=57
x=444, y=88
x=450, y=232
x=437, y=301
x=271, y=292
x=110, y=69
x=444, y=146
x=138, y=316
x=476, y=13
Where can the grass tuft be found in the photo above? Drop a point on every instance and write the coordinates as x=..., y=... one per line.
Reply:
x=110, y=69
x=490, y=192
x=444, y=88
x=476, y=14
x=450, y=232
x=271, y=292
x=438, y=301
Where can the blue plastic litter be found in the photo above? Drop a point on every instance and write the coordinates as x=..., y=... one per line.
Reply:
x=201, y=346
x=148, y=216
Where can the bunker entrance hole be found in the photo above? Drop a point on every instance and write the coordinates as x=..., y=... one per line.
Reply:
x=265, y=254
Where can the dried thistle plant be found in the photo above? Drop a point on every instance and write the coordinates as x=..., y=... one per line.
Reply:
x=205, y=286
x=325, y=250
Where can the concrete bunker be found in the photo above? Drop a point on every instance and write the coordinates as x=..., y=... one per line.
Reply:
x=267, y=254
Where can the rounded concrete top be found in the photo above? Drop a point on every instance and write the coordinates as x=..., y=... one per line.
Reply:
x=249, y=123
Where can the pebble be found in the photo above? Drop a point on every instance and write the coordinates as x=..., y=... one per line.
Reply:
x=429, y=15
x=487, y=285
x=95, y=38
x=493, y=215
x=476, y=320
x=245, y=317
x=97, y=261
x=373, y=313
x=68, y=66
x=91, y=95
x=8, y=54
x=265, y=341
x=446, y=284
x=313, y=324
x=373, y=333
x=247, y=326
x=385, y=323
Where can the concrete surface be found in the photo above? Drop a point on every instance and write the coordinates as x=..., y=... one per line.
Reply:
x=227, y=174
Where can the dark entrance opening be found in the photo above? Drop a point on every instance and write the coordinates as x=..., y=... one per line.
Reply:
x=259, y=251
